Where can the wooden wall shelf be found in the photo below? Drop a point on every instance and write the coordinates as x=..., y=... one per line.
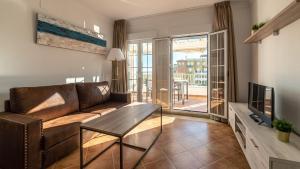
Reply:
x=288, y=15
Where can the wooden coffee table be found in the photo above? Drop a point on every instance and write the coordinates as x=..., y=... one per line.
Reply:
x=118, y=123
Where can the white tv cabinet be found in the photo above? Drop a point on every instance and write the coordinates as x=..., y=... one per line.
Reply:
x=259, y=143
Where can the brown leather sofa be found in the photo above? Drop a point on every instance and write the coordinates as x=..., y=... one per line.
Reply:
x=41, y=124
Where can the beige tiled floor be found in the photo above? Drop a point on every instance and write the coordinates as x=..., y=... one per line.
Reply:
x=186, y=143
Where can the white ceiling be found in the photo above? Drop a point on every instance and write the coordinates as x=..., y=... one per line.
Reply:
x=125, y=9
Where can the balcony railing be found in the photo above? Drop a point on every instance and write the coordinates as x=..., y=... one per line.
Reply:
x=193, y=79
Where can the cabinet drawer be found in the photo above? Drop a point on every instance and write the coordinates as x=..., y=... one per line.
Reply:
x=257, y=151
x=231, y=113
x=251, y=158
x=231, y=118
x=232, y=125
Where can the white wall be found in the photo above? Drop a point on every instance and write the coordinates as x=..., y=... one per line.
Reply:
x=175, y=23
x=276, y=61
x=200, y=21
x=24, y=63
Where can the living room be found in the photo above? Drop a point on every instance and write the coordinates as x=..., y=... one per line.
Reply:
x=149, y=84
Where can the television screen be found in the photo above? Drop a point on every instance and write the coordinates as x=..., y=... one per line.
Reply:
x=261, y=102
x=268, y=106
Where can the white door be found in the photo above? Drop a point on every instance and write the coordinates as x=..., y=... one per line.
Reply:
x=139, y=61
x=217, y=74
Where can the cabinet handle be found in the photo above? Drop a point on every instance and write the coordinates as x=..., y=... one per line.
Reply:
x=254, y=144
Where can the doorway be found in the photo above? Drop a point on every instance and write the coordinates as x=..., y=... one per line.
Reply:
x=189, y=73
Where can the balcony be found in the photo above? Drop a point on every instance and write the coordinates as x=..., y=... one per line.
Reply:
x=195, y=100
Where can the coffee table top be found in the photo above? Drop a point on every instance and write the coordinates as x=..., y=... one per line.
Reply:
x=119, y=122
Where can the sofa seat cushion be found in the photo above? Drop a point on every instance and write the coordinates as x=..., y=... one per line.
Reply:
x=72, y=118
x=106, y=108
x=57, y=134
x=62, y=128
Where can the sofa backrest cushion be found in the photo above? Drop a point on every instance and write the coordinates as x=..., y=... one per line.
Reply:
x=91, y=94
x=44, y=102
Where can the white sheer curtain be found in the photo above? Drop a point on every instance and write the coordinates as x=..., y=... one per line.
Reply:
x=161, y=75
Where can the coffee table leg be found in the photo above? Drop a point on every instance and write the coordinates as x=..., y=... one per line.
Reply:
x=161, y=119
x=81, y=150
x=121, y=153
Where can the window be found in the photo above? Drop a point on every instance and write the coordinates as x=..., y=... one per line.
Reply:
x=74, y=80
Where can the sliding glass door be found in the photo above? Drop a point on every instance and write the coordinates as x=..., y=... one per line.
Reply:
x=139, y=60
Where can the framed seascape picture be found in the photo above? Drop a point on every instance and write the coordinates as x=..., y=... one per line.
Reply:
x=58, y=33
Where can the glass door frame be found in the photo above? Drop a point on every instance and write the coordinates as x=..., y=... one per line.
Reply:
x=140, y=67
x=225, y=76
x=171, y=70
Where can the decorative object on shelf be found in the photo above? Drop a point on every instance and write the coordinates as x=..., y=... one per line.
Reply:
x=256, y=27
x=287, y=16
x=261, y=25
x=58, y=33
x=115, y=54
x=284, y=129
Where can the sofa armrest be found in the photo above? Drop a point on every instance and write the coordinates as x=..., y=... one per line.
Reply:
x=20, y=141
x=121, y=97
x=7, y=105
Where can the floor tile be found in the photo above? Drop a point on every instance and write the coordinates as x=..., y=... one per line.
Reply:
x=190, y=142
x=101, y=163
x=235, y=161
x=173, y=148
x=221, y=148
x=155, y=154
x=204, y=155
x=161, y=164
x=185, y=160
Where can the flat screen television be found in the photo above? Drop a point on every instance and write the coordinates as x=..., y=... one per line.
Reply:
x=261, y=102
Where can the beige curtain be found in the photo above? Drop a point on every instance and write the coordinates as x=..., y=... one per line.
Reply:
x=223, y=20
x=119, y=79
